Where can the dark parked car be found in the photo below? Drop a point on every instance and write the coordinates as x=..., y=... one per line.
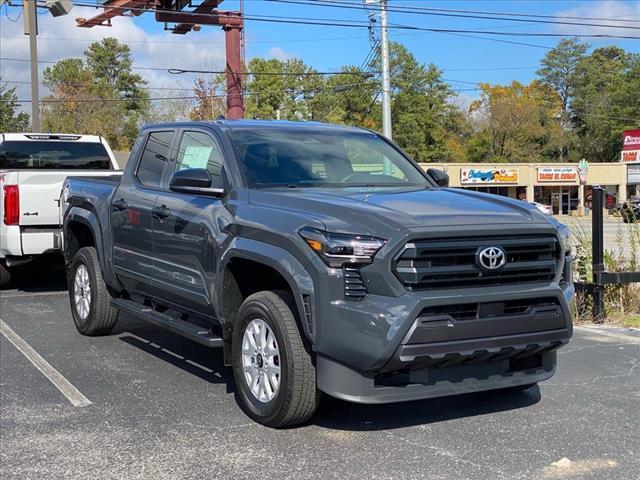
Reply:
x=320, y=259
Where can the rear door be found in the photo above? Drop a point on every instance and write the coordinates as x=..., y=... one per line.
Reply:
x=131, y=213
x=187, y=233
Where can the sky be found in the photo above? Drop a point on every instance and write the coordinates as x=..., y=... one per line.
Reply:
x=465, y=61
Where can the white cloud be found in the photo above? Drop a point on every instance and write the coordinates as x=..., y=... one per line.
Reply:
x=279, y=54
x=202, y=50
x=609, y=10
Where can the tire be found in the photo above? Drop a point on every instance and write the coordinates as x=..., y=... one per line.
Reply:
x=94, y=316
x=5, y=275
x=295, y=399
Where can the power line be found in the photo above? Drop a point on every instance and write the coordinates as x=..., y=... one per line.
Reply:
x=437, y=12
x=194, y=43
x=356, y=24
x=413, y=9
x=179, y=71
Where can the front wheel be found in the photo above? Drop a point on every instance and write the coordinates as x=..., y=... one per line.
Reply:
x=274, y=374
x=90, y=300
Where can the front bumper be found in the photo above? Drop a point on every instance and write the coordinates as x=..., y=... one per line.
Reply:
x=385, y=349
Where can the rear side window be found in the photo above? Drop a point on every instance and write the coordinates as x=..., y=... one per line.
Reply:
x=154, y=156
x=199, y=150
x=53, y=155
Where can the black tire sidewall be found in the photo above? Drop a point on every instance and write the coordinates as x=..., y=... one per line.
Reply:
x=82, y=258
x=264, y=412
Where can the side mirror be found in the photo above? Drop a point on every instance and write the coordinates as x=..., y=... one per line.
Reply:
x=441, y=178
x=194, y=180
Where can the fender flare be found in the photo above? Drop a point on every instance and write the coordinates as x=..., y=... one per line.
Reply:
x=92, y=222
x=88, y=219
x=283, y=262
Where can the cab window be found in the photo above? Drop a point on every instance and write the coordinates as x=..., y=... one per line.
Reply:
x=200, y=150
x=153, y=158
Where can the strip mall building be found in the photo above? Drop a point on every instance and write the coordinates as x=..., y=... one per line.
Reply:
x=564, y=186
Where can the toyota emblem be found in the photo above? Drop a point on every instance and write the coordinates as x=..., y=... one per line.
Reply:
x=492, y=258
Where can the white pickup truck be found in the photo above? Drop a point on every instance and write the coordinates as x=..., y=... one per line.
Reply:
x=33, y=167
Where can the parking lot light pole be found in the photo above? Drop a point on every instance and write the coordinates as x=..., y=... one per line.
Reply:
x=31, y=29
x=386, y=82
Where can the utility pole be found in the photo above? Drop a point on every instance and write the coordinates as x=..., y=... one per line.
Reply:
x=386, y=83
x=31, y=29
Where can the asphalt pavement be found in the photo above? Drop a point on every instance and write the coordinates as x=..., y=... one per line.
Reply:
x=161, y=407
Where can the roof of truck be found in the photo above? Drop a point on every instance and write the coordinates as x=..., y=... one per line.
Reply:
x=244, y=124
x=33, y=137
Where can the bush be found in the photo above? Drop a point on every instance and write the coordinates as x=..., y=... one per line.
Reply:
x=618, y=299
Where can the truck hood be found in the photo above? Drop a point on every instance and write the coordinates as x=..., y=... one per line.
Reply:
x=373, y=211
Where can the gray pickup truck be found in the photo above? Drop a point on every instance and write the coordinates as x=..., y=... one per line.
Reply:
x=320, y=258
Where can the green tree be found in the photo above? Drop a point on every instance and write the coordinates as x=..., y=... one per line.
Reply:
x=426, y=123
x=97, y=95
x=558, y=70
x=605, y=101
x=110, y=61
x=79, y=104
x=516, y=122
x=10, y=119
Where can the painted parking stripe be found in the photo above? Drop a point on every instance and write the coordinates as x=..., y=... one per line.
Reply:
x=76, y=398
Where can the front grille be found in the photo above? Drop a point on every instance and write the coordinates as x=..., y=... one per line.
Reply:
x=473, y=311
x=445, y=263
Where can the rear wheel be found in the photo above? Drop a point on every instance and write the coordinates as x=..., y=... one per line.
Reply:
x=274, y=374
x=5, y=274
x=90, y=300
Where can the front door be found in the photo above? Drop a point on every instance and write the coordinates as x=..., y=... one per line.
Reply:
x=566, y=205
x=555, y=203
x=186, y=231
x=131, y=214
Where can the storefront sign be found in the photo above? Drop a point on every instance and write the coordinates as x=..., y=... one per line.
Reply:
x=633, y=174
x=630, y=147
x=488, y=175
x=558, y=174
x=583, y=171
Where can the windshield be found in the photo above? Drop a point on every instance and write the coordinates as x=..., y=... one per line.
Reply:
x=308, y=158
x=53, y=155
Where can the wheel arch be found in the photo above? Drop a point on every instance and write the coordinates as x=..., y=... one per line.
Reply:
x=269, y=266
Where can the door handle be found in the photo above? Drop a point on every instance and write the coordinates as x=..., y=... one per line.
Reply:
x=161, y=212
x=120, y=204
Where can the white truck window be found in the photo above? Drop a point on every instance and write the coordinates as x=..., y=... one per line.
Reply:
x=53, y=155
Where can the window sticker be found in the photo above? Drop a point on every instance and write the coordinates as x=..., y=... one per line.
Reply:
x=195, y=156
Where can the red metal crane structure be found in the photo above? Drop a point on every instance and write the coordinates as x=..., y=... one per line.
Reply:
x=173, y=12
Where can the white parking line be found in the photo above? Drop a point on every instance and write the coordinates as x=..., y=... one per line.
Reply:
x=76, y=398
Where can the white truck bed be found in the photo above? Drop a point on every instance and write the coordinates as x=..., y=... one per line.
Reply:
x=38, y=165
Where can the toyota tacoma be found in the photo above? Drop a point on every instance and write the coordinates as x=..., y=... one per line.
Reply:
x=320, y=258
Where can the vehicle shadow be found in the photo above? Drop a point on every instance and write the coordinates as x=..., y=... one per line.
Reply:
x=44, y=274
x=207, y=364
x=340, y=415
x=202, y=362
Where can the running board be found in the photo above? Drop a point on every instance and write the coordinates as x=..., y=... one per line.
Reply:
x=186, y=329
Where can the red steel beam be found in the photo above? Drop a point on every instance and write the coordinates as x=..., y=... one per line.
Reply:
x=235, y=102
x=119, y=7
x=205, y=7
x=225, y=19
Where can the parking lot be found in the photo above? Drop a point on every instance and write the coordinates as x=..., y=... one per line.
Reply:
x=163, y=407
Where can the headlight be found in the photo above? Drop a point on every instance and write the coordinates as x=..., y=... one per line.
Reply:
x=565, y=236
x=337, y=249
